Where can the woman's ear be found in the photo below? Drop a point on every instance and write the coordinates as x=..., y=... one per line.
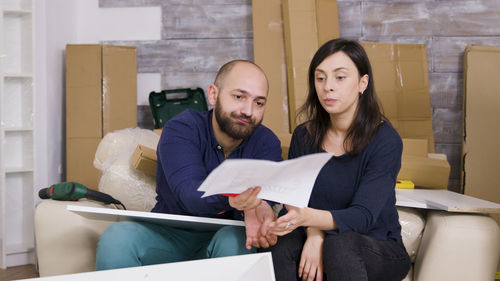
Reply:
x=363, y=83
x=212, y=94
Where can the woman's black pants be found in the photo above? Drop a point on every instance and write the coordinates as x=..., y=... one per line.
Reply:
x=346, y=256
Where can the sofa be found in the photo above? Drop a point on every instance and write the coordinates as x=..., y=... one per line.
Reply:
x=442, y=245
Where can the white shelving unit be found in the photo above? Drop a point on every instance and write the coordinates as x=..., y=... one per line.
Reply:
x=17, y=133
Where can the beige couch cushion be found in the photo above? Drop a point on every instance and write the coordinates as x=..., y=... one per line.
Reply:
x=458, y=247
x=65, y=241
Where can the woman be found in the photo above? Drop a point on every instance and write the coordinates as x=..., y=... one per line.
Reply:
x=350, y=230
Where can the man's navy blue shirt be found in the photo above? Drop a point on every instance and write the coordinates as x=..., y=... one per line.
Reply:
x=188, y=151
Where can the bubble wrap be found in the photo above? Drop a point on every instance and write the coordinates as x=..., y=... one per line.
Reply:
x=412, y=227
x=135, y=189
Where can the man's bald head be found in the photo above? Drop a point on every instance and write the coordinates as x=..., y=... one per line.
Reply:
x=226, y=69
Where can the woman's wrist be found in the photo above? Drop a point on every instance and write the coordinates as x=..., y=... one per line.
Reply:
x=320, y=219
x=314, y=232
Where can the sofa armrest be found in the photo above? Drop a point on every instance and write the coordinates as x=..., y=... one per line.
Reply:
x=65, y=241
x=458, y=247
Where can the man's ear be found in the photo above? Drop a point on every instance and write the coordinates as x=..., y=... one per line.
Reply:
x=212, y=94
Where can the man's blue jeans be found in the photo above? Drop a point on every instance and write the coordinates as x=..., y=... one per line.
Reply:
x=128, y=244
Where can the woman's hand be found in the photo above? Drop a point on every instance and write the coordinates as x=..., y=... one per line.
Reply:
x=287, y=223
x=311, y=260
x=320, y=219
x=246, y=200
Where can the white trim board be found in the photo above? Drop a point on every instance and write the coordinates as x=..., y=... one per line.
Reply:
x=180, y=221
x=444, y=200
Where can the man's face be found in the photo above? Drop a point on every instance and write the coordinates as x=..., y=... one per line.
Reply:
x=241, y=100
x=234, y=124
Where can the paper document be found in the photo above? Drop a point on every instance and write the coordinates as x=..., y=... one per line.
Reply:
x=289, y=182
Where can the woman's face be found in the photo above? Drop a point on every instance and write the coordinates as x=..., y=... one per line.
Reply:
x=338, y=85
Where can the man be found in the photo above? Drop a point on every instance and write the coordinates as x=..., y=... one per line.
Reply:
x=192, y=144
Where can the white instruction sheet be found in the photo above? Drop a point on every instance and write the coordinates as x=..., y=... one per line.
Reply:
x=289, y=182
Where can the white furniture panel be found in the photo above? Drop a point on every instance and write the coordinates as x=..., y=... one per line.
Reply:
x=18, y=103
x=17, y=135
x=236, y=268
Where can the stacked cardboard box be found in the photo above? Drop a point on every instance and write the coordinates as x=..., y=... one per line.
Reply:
x=400, y=72
x=481, y=134
x=269, y=54
x=429, y=170
x=401, y=81
x=101, y=96
x=287, y=33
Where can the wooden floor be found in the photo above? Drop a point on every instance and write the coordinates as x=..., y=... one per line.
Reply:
x=18, y=272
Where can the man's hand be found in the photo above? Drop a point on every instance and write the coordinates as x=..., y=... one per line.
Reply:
x=246, y=200
x=257, y=225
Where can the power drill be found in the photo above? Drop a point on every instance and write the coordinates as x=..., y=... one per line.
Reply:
x=72, y=191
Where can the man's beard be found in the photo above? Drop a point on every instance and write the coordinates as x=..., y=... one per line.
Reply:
x=230, y=127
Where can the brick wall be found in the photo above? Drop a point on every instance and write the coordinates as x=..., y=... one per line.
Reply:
x=200, y=35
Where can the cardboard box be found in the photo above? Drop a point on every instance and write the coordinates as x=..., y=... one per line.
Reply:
x=415, y=147
x=402, y=84
x=481, y=137
x=427, y=170
x=285, y=144
x=119, y=88
x=327, y=20
x=80, y=154
x=144, y=159
x=302, y=39
x=83, y=91
x=101, y=97
x=269, y=54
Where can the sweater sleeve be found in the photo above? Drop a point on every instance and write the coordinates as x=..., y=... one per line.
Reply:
x=182, y=161
x=376, y=187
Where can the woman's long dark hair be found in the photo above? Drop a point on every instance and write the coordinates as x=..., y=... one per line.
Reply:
x=368, y=114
